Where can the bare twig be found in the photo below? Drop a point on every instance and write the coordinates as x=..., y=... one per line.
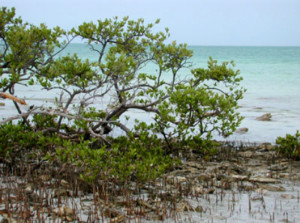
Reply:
x=52, y=112
x=11, y=97
x=98, y=136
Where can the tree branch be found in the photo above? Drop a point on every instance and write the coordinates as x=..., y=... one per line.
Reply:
x=52, y=113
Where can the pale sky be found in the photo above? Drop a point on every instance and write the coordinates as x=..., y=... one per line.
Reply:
x=195, y=22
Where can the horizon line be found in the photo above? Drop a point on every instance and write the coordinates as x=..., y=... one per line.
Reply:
x=217, y=45
x=244, y=45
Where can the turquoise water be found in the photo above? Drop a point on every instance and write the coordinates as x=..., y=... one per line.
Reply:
x=271, y=77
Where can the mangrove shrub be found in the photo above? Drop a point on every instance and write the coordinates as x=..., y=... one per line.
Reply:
x=100, y=99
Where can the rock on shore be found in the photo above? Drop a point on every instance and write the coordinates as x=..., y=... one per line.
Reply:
x=265, y=117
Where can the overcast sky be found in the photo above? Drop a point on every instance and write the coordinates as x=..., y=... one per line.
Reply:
x=196, y=22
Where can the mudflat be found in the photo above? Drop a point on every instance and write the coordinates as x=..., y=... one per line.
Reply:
x=246, y=183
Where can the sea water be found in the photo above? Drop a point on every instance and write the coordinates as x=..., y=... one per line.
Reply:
x=271, y=76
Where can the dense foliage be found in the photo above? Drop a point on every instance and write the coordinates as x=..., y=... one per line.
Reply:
x=97, y=98
x=289, y=146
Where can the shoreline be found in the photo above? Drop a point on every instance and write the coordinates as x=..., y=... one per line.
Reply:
x=236, y=185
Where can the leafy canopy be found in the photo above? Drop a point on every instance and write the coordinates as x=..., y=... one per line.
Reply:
x=104, y=96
